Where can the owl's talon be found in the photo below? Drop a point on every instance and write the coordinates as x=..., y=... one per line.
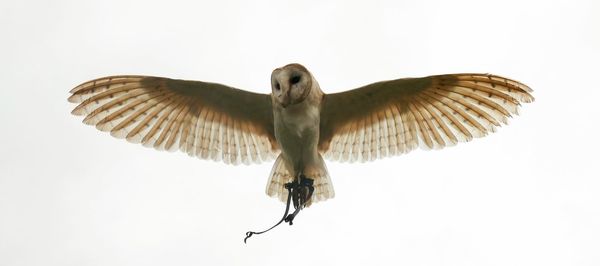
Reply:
x=300, y=191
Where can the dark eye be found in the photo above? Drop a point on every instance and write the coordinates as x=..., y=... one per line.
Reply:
x=295, y=79
x=277, y=87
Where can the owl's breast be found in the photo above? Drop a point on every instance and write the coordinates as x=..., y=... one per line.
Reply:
x=297, y=132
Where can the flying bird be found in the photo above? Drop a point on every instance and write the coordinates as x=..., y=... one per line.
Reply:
x=297, y=124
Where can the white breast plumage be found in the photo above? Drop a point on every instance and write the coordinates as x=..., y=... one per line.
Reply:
x=300, y=119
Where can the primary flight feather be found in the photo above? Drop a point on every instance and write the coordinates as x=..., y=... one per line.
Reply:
x=297, y=124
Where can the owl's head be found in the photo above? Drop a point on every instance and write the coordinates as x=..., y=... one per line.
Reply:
x=291, y=84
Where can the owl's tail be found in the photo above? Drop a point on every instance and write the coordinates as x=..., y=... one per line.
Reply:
x=280, y=175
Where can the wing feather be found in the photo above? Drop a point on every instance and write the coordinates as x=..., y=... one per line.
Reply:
x=366, y=148
x=358, y=139
x=450, y=115
x=422, y=132
x=198, y=131
x=383, y=134
x=374, y=143
x=437, y=115
x=206, y=134
x=120, y=130
x=394, y=117
x=145, y=126
x=189, y=131
x=437, y=139
x=206, y=120
x=399, y=128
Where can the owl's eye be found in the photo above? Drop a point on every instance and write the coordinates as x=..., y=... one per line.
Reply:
x=295, y=79
x=277, y=87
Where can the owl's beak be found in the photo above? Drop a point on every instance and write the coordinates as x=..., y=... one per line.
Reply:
x=287, y=99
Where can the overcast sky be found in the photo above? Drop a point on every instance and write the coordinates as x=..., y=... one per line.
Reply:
x=526, y=195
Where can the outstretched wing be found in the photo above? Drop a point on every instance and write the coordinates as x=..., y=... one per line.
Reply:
x=207, y=120
x=395, y=117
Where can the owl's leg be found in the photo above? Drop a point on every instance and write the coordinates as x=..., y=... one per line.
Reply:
x=300, y=190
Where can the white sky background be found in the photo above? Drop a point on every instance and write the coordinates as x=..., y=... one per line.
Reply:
x=526, y=195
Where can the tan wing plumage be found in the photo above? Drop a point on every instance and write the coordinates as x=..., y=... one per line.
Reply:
x=394, y=117
x=207, y=120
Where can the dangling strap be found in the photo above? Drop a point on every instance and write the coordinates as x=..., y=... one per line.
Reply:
x=289, y=187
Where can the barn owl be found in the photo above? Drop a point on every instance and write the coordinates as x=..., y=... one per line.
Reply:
x=297, y=124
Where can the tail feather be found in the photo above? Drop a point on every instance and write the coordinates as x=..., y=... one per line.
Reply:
x=280, y=175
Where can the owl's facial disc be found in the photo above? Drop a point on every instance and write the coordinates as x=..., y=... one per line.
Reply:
x=290, y=84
